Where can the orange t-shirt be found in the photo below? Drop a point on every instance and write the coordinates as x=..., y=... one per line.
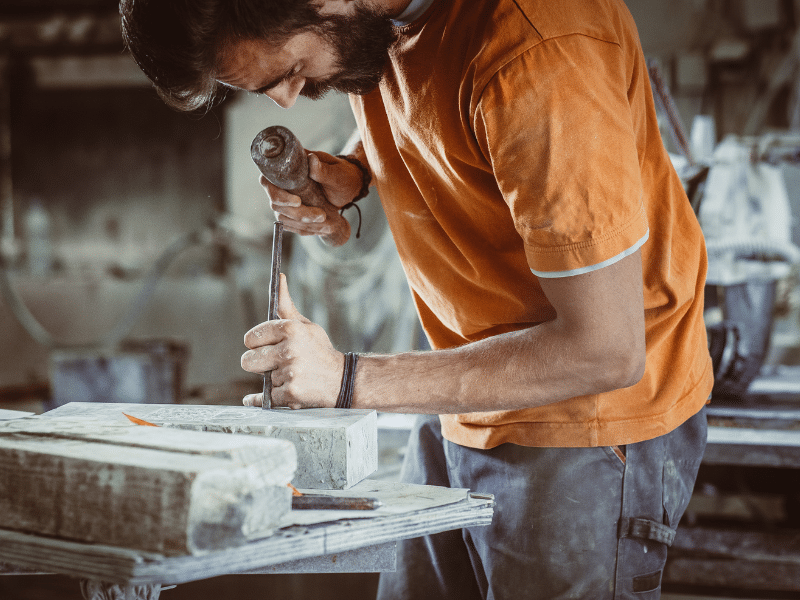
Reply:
x=517, y=140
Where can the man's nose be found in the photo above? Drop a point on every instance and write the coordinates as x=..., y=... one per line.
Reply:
x=285, y=94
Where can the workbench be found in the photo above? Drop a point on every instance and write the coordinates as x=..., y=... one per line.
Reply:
x=339, y=545
x=760, y=435
x=306, y=541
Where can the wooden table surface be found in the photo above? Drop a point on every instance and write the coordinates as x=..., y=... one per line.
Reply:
x=293, y=545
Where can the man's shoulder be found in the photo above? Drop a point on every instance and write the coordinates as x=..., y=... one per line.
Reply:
x=506, y=29
x=607, y=20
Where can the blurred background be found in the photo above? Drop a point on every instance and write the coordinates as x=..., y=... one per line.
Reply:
x=135, y=240
x=135, y=248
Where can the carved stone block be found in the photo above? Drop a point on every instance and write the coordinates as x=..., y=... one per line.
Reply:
x=336, y=448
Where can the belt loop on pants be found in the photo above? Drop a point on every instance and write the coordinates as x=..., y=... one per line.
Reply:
x=646, y=529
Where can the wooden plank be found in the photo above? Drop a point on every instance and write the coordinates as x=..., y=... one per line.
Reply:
x=119, y=565
x=335, y=448
x=8, y=569
x=753, y=560
x=787, y=416
x=151, y=489
x=765, y=546
x=766, y=508
x=378, y=558
x=728, y=573
x=754, y=447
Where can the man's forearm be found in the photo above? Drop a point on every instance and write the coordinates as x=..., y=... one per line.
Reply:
x=512, y=371
x=595, y=343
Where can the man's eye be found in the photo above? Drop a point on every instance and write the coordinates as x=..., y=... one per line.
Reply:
x=294, y=71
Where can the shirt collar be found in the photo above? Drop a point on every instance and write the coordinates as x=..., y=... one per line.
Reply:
x=412, y=12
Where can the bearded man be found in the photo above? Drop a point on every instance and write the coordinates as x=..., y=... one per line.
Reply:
x=555, y=262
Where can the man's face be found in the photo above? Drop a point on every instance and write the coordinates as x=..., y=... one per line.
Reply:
x=348, y=53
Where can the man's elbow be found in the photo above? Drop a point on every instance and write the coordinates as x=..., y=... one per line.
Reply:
x=633, y=370
x=621, y=366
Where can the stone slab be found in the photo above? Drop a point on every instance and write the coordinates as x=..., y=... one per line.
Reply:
x=148, y=488
x=336, y=448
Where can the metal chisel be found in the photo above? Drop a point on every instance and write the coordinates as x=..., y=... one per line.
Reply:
x=324, y=502
x=272, y=309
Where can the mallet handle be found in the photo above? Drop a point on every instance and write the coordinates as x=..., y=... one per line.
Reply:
x=283, y=161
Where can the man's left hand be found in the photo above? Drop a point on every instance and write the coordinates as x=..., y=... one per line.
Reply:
x=306, y=369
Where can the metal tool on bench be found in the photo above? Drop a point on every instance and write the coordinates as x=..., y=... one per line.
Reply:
x=325, y=502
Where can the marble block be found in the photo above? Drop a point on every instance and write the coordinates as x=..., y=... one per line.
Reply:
x=336, y=448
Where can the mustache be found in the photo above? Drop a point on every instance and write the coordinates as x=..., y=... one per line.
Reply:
x=359, y=85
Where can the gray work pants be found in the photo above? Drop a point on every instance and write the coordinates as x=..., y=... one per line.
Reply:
x=568, y=522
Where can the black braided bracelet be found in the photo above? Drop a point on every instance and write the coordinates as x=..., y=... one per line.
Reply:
x=345, y=398
x=366, y=177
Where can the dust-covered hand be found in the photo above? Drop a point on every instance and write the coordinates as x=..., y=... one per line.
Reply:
x=306, y=368
x=340, y=180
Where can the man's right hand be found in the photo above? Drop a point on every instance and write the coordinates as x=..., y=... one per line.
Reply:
x=340, y=180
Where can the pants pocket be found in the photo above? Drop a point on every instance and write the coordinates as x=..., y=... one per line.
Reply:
x=647, y=583
x=616, y=455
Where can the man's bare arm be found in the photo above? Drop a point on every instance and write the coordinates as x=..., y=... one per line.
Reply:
x=595, y=344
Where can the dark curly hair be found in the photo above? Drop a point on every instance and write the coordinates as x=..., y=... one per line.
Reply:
x=177, y=43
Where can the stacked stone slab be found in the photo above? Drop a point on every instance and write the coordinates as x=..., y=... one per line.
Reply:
x=146, y=488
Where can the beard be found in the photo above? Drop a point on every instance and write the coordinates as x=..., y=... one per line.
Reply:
x=361, y=42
